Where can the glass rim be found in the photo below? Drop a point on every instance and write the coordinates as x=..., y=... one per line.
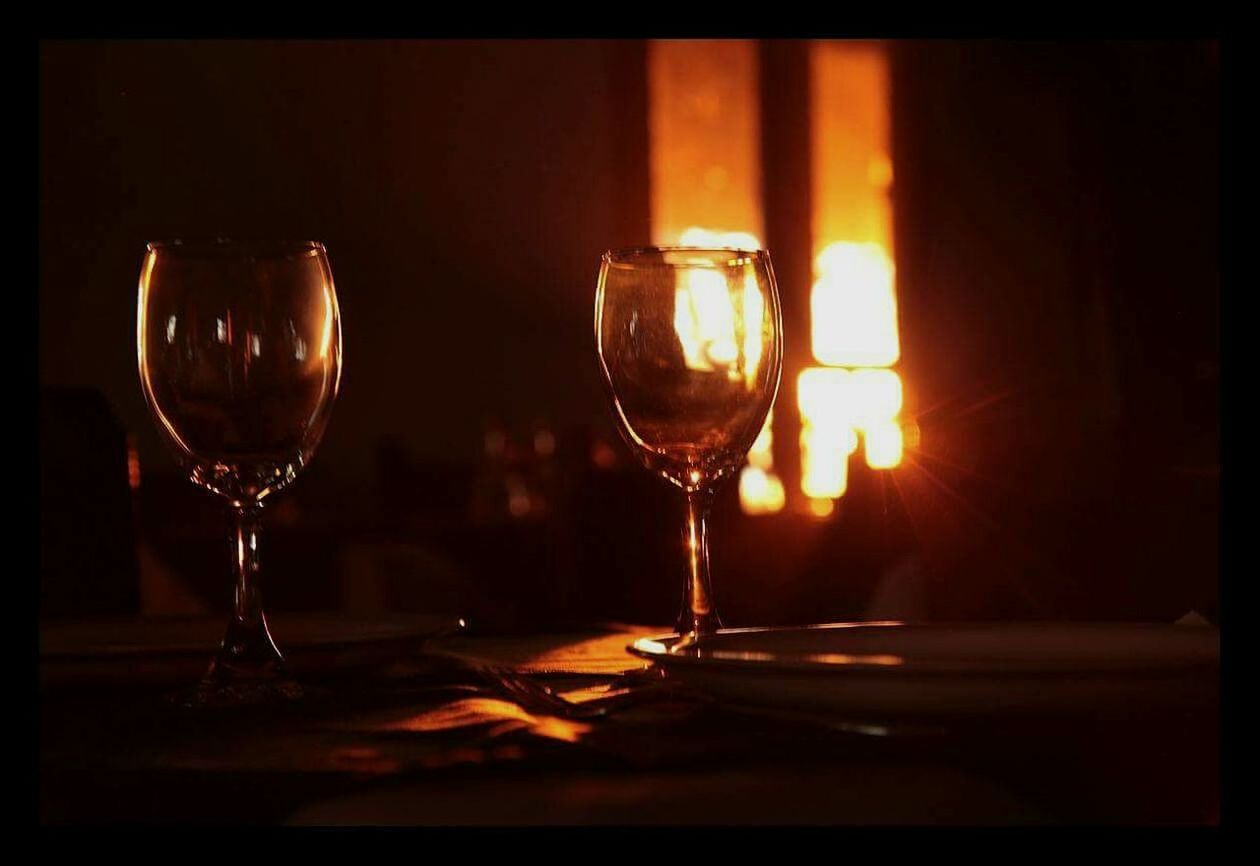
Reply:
x=625, y=255
x=210, y=248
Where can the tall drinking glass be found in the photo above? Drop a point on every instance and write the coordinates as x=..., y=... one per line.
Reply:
x=239, y=351
x=690, y=344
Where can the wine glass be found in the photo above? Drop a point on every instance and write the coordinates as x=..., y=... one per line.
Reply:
x=690, y=344
x=239, y=351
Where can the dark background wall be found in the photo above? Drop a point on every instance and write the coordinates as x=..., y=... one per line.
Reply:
x=1058, y=252
x=1057, y=239
x=464, y=192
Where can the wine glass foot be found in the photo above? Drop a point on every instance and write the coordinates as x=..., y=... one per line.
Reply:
x=248, y=669
x=218, y=692
x=693, y=628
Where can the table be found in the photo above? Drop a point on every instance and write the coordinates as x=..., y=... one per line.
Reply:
x=425, y=740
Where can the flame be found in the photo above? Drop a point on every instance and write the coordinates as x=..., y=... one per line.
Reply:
x=853, y=308
x=883, y=445
x=827, y=436
x=853, y=301
x=835, y=405
x=760, y=491
x=874, y=397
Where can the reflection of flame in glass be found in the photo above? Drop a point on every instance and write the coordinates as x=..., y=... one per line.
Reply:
x=705, y=320
x=326, y=334
x=704, y=315
x=760, y=489
x=705, y=169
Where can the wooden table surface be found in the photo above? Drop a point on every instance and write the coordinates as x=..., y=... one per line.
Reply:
x=424, y=740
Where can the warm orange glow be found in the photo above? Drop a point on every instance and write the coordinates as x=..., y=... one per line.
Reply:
x=822, y=397
x=853, y=309
x=851, y=143
x=705, y=320
x=835, y=405
x=760, y=492
x=883, y=445
x=821, y=507
x=824, y=466
x=328, y=332
x=133, y=463
x=760, y=489
x=502, y=716
x=874, y=397
x=853, y=302
x=704, y=128
x=705, y=159
x=827, y=436
x=695, y=236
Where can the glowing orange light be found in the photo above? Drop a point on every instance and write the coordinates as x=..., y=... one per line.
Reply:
x=821, y=507
x=851, y=143
x=760, y=492
x=704, y=125
x=853, y=308
x=544, y=443
x=874, y=397
x=329, y=331
x=705, y=320
x=883, y=445
x=853, y=302
x=705, y=169
x=133, y=463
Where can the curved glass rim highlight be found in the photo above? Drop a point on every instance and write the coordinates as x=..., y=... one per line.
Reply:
x=635, y=255
x=216, y=248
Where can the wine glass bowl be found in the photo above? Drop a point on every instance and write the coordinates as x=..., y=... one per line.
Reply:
x=239, y=355
x=690, y=346
x=239, y=351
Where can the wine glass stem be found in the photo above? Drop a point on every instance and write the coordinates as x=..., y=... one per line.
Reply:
x=247, y=650
x=698, y=614
x=248, y=601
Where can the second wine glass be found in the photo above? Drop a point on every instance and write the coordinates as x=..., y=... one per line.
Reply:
x=690, y=344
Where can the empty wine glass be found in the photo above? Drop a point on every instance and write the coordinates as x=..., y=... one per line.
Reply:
x=690, y=343
x=239, y=351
